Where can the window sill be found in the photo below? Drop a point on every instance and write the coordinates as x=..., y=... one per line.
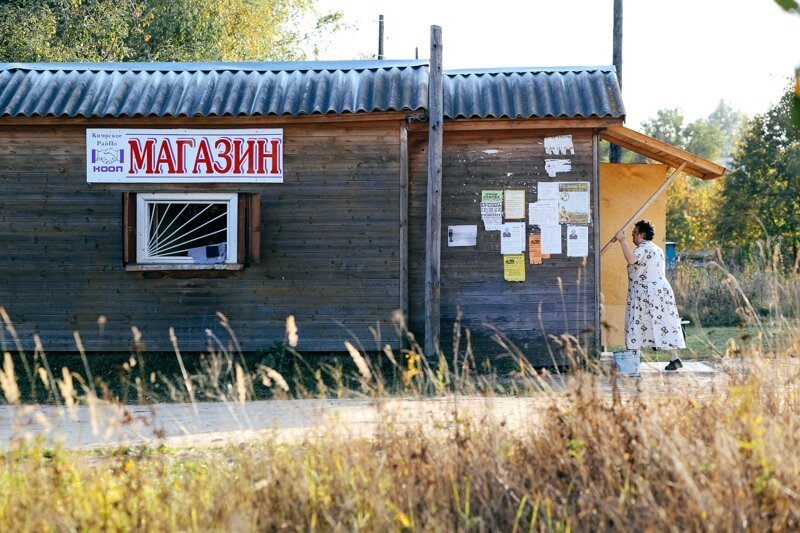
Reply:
x=161, y=267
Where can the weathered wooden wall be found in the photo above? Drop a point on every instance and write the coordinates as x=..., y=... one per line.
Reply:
x=558, y=296
x=330, y=247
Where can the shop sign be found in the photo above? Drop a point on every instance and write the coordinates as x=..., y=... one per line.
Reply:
x=184, y=156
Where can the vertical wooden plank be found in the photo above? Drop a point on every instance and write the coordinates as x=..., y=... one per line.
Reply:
x=433, y=235
x=128, y=228
x=596, y=229
x=254, y=228
x=241, y=252
x=404, y=220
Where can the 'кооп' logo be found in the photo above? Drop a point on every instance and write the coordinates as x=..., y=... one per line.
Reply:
x=107, y=159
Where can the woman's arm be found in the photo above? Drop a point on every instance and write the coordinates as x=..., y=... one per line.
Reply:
x=626, y=251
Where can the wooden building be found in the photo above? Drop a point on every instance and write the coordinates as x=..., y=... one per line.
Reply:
x=157, y=195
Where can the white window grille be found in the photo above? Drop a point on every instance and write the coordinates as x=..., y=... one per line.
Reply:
x=186, y=228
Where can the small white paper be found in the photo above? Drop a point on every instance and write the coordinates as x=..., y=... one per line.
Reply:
x=543, y=213
x=462, y=235
x=512, y=238
x=212, y=253
x=492, y=222
x=577, y=241
x=551, y=239
x=555, y=166
x=547, y=190
x=559, y=145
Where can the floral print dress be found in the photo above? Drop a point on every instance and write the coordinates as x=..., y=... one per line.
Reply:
x=651, y=317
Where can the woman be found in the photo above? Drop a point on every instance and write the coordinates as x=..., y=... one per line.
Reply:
x=651, y=317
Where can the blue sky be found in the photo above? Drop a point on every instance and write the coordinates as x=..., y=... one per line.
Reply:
x=685, y=54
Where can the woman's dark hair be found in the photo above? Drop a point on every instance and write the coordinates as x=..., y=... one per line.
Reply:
x=645, y=229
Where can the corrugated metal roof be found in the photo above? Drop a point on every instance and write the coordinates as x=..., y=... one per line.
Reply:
x=208, y=89
x=533, y=93
x=300, y=88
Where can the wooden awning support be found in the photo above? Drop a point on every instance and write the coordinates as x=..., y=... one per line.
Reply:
x=662, y=152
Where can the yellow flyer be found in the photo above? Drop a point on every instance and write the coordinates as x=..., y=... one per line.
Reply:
x=514, y=267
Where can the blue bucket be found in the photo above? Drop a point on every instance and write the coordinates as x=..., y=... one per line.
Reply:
x=628, y=362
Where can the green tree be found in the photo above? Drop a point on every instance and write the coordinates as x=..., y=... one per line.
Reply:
x=66, y=30
x=231, y=30
x=793, y=6
x=761, y=197
x=691, y=202
x=162, y=30
x=667, y=126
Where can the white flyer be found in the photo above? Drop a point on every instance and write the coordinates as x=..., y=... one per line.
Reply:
x=573, y=202
x=551, y=239
x=559, y=145
x=492, y=210
x=547, y=190
x=462, y=235
x=543, y=213
x=512, y=238
x=554, y=166
x=577, y=241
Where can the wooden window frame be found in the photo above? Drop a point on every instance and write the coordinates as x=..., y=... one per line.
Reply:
x=247, y=227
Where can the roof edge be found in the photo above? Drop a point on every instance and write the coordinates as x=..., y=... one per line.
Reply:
x=662, y=152
x=253, y=66
x=543, y=70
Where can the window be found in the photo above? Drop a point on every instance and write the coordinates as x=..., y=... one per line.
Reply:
x=197, y=231
x=186, y=228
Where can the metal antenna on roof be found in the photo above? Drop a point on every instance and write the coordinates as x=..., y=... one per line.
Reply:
x=380, y=36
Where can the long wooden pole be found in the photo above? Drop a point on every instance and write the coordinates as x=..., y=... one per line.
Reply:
x=645, y=206
x=615, y=153
x=433, y=235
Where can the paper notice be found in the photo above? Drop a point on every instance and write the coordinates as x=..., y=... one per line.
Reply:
x=515, y=204
x=535, y=249
x=514, y=267
x=491, y=196
x=547, y=190
x=554, y=166
x=462, y=235
x=573, y=202
x=512, y=238
x=577, y=241
x=543, y=213
x=551, y=239
x=492, y=209
x=560, y=145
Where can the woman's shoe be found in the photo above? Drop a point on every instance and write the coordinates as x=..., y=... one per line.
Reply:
x=674, y=365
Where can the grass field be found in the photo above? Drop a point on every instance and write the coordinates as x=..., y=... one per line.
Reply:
x=627, y=458
x=709, y=343
x=640, y=455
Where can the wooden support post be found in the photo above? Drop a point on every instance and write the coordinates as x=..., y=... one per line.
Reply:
x=404, y=220
x=641, y=210
x=615, y=153
x=433, y=234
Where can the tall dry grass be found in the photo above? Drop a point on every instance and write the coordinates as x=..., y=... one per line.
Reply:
x=602, y=453
x=629, y=457
x=762, y=285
